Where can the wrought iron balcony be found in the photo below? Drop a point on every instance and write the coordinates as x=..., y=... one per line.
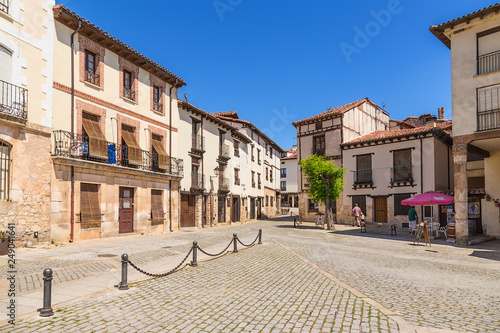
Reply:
x=224, y=151
x=197, y=181
x=93, y=78
x=198, y=143
x=4, y=6
x=158, y=107
x=236, y=181
x=236, y=152
x=487, y=120
x=79, y=147
x=489, y=62
x=224, y=184
x=129, y=94
x=13, y=100
x=320, y=151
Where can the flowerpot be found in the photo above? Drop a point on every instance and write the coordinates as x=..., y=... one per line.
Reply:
x=4, y=246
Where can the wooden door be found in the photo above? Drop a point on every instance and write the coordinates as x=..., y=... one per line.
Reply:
x=236, y=209
x=221, y=209
x=187, y=210
x=259, y=208
x=252, y=208
x=380, y=209
x=126, y=210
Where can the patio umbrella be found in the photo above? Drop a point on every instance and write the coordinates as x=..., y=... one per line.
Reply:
x=429, y=198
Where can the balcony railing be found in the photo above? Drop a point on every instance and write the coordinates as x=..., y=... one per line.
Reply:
x=283, y=175
x=224, y=151
x=158, y=107
x=198, y=143
x=402, y=173
x=236, y=181
x=93, y=78
x=363, y=176
x=77, y=147
x=487, y=120
x=197, y=181
x=237, y=152
x=489, y=62
x=129, y=94
x=13, y=100
x=4, y=6
x=224, y=184
x=283, y=188
x=259, y=185
x=320, y=151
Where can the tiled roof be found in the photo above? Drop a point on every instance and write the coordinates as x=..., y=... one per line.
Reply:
x=291, y=157
x=438, y=30
x=391, y=134
x=230, y=114
x=191, y=108
x=60, y=9
x=471, y=191
x=252, y=126
x=335, y=112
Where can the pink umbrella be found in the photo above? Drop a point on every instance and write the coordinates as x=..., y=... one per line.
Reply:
x=429, y=198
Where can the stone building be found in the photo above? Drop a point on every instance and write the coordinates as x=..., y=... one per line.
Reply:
x=474, y=41
x=26, y=62
x=288, y=182
x=115, y=131
x=385, y=167
x=323, y=134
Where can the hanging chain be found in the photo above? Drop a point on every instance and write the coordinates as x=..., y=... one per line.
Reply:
x=163, y=274
x=218, y=254
x=251, y=244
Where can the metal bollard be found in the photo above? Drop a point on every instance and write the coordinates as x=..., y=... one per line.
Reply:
x=294, y=222
x=47, y=311
x=123, y=285
x=235, y=243
x=260, y=236
x=194, y=263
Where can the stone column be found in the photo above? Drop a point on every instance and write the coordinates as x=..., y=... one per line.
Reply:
x=461, y=190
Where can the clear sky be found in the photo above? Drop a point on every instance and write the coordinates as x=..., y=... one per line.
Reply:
x=284, y=60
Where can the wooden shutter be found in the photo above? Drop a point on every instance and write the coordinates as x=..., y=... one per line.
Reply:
x=5, y=64
x=98, y=146
x=157, y=213
x=134, y=150
x=90, y=210
x=163, y=159
x=400, y=209
x=402, y=165
x=363, y=169
x=361, y=201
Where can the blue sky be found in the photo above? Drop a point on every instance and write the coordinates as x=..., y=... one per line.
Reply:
x=283, y=60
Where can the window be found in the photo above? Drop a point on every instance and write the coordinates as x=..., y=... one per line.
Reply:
x=400, y=209
x=267, y=200
x=4, y=6
x=258, y=180
x=131, y=151
x=313, y=206
x=271, y=175
x=96, y=145
x=363, y=169
x=253, y=156
x=271, y=151
x=319, y=145
x=488, y=107
x=258, y=156
x=267, y=177
x=283, y=186
x=253, y=179
x=319, y=125
x=283, y=155
x=157, y=212
x=402, y=165
x=4, y=171
x=157, y=105
x=160, y=159
x=236, y=176
x=361, y=201
x=283, y=173
x=488, y=51
x=91, y=74
x=90, y=210
x=5, y=64
x=128, y=91
x=236, y=148
x=272, y=201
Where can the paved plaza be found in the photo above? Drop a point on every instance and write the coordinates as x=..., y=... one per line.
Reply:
x=299, y=280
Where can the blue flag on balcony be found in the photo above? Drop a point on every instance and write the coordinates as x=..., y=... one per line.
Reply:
x=112, y=154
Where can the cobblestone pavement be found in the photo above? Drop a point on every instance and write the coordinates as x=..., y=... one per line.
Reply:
x=262, y=289
x=267, y=288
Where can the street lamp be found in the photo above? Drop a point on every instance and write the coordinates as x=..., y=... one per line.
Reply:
x=216, y=170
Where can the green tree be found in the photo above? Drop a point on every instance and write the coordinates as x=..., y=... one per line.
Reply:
x=325, y=182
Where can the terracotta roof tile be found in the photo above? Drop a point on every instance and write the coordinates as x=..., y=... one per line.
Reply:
x=335, y=112
x=291, y=157
x=230, y=114
x=390, y=134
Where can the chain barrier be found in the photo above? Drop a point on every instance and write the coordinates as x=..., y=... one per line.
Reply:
x=218, y=254
x=163, y=274
x=249, y=245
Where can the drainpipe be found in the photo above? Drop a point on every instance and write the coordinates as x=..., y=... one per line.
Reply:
x=202, y=175
x=421, y=176
x=72, y=222
x=170, y=154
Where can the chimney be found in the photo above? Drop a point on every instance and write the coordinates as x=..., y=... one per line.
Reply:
x=441, y=113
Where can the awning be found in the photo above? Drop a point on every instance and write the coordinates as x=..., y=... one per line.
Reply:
x=98, y=146
x=163, y=159
x=134, y=150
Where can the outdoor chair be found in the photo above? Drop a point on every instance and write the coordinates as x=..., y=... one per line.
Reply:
x=443, y=230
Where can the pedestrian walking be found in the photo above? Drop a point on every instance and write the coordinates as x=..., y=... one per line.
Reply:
x=412, y=217
x=356, y=212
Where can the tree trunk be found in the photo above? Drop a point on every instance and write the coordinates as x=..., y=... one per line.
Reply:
x=328, y=214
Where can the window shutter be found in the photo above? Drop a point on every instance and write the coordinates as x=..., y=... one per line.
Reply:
x=163, y=159
x=361, y=201
x=400, y=209
x=157, y=213
x=363, y=166
x=5, y=64
x=98, y=146
x=90, y=210
x=134, y=150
